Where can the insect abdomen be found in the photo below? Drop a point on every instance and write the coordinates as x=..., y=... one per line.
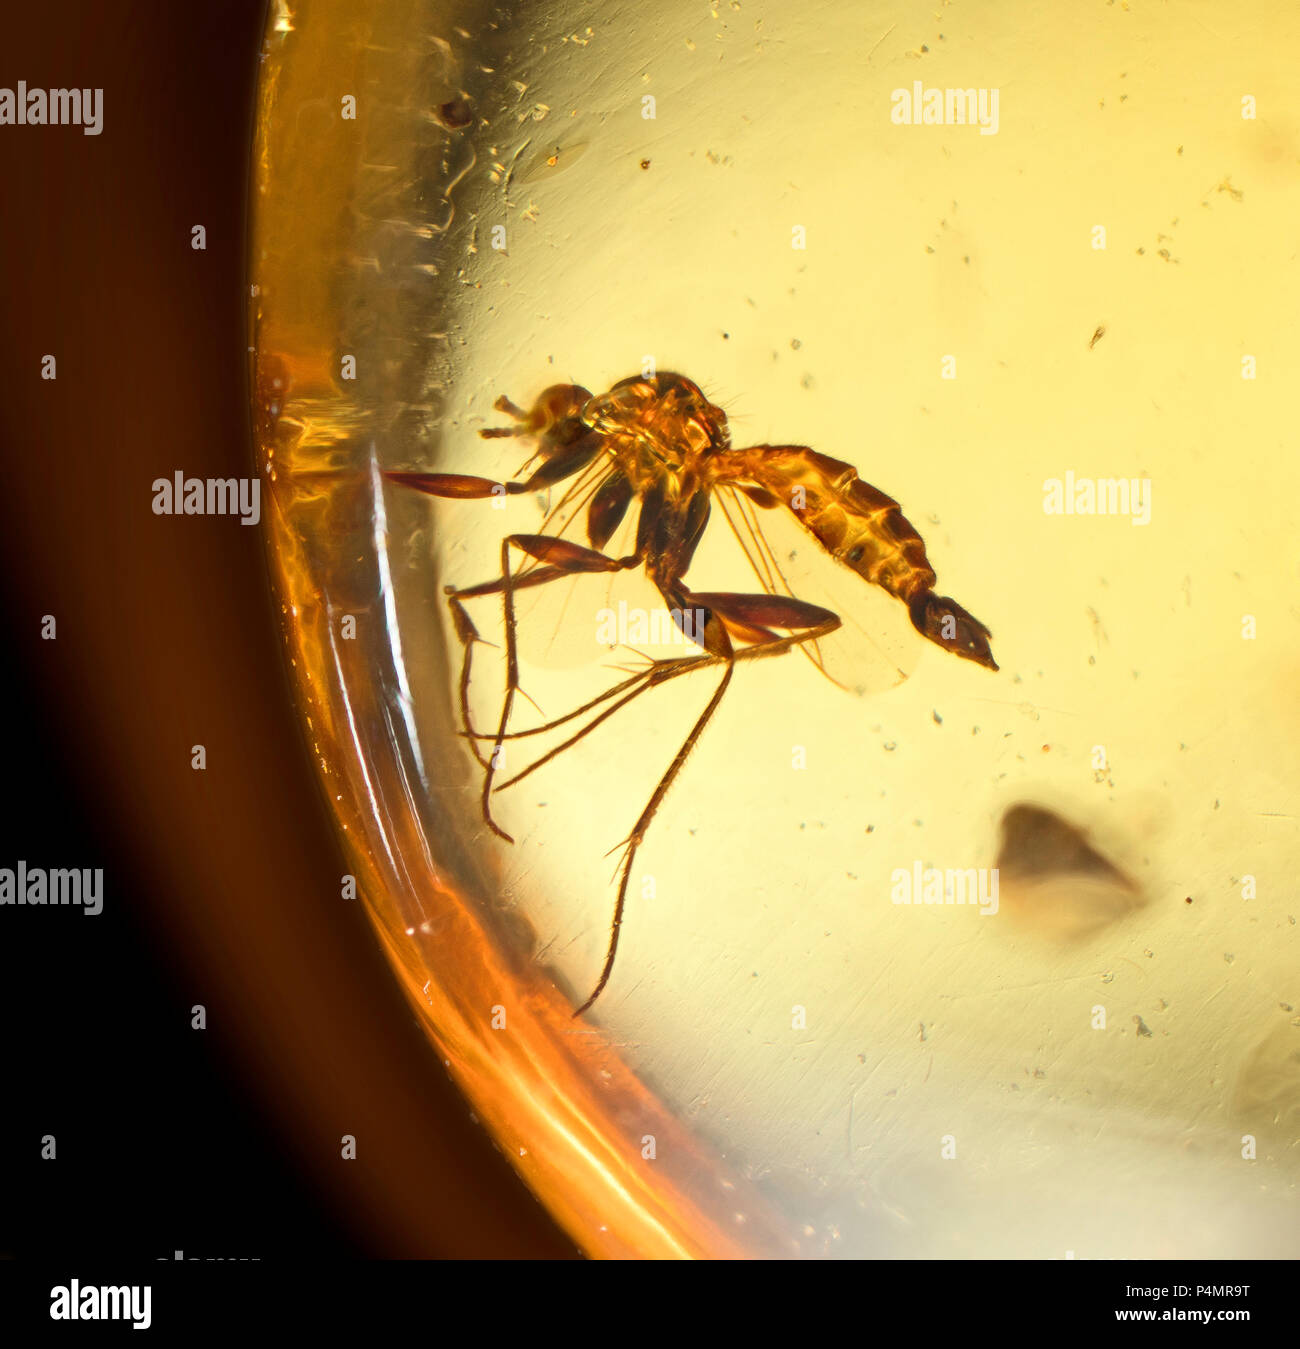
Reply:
x=855, y=522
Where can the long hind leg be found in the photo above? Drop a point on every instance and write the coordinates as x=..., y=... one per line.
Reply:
x=750, y=617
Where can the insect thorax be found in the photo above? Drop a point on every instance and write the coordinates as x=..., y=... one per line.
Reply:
x=665, y=415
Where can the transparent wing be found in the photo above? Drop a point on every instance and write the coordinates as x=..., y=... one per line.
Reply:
x=874, y=649
x=556, y=622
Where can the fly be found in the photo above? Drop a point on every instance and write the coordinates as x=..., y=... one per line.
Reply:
x=659, y=442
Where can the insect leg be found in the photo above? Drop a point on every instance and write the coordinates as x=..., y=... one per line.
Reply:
x=657, y=673
x=562, y=558
x=638, y=833
x=791, y=613
x=749, y=617
x=468, y=634
x=561, y=462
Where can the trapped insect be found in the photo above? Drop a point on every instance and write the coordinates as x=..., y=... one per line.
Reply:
x=659, y=442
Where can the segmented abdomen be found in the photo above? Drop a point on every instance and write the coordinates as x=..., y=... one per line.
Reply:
x=855, y=522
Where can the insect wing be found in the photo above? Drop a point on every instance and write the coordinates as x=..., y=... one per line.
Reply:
x=558, y=622
x=875, y=647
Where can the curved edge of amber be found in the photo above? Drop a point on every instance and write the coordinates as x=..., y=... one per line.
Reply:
x=553, y=1092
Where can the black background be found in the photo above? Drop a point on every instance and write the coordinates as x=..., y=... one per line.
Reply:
x=221, y=1143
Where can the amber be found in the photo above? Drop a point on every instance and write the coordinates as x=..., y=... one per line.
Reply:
x=832, y=1028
